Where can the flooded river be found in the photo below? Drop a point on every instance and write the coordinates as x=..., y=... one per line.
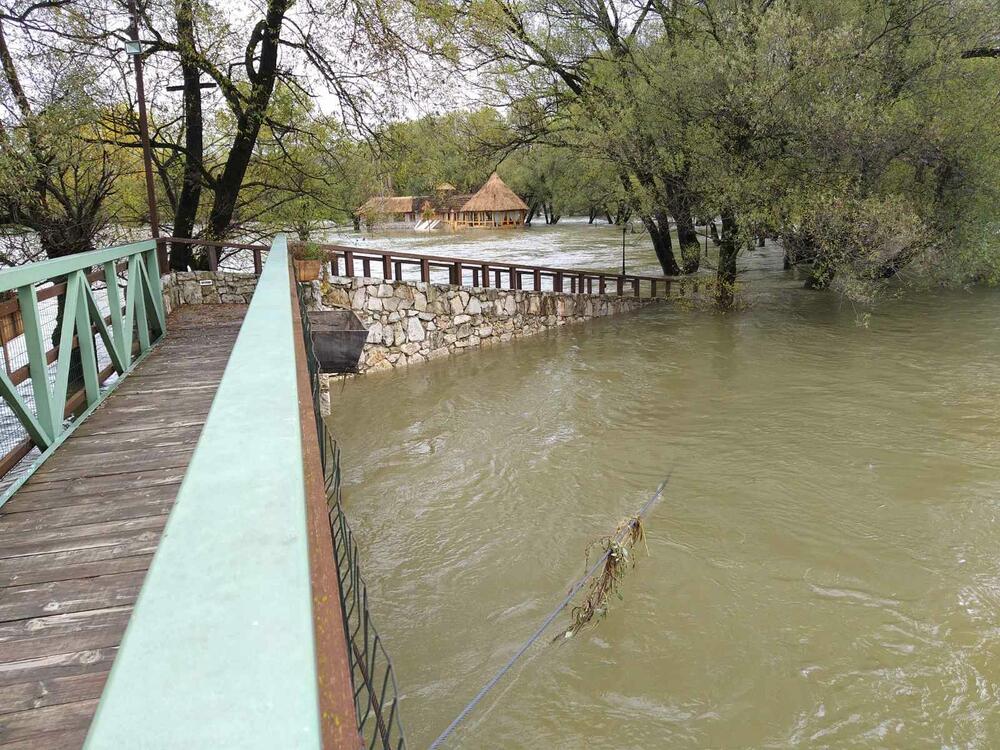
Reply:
x=824, y=570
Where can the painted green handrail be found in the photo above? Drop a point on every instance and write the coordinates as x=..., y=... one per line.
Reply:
x=141, y=314
x=220, y=649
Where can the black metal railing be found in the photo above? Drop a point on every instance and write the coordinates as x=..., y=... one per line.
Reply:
x=376, y=694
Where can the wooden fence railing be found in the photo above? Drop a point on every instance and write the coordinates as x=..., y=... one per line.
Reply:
x=213, y=249
x=392, y=264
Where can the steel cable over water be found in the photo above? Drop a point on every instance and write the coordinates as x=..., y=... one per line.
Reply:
x=551, y=617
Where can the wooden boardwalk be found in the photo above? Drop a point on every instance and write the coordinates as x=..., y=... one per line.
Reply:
x=77, y=538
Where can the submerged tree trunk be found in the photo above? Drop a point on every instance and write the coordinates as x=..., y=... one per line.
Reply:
x=687, y=237
x=658, y=227
x=725, y=293
x=657, y=222
x=532, y=211
x=678, y=200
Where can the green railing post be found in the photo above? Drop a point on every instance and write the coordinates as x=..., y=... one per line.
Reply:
x=34, y=342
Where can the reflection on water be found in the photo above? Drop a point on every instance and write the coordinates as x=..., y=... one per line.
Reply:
x=824, y=570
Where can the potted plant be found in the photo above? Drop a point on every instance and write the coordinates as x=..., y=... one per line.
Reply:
x=308, y=262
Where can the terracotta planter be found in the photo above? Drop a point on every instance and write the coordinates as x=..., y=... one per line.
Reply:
x=307, y=270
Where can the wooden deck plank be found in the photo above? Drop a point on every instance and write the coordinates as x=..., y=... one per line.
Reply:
x=54, y=625
x=39, y=571
x=27, y=518
x=77, y=538
x=50, y=741
x=85, y=489
x=27, y=724
x=58, y=665
x=27, y=695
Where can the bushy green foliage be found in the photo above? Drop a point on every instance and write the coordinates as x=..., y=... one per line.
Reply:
x=833, y=126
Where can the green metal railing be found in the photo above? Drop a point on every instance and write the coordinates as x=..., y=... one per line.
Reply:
x=223, y=648
x=101, y=310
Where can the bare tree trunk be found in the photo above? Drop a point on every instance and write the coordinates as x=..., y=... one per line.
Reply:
x=250, y=117
x=186, y=213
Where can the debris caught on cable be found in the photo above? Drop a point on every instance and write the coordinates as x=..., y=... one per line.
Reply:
x=619, y=558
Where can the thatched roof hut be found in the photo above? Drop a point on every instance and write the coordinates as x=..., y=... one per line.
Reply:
x=494, y=196
x=494, y=205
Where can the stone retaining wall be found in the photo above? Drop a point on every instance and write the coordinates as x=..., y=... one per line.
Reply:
x=410, y=322
x=189, y=288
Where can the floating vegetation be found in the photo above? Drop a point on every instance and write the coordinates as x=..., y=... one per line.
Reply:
x=618, y=553
x=618, y=546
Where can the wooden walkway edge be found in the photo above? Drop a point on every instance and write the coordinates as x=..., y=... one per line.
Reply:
x=77, y=538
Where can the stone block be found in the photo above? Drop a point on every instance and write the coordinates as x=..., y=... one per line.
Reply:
x=414, y=330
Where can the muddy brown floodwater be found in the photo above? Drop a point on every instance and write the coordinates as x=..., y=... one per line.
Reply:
x=823, y=572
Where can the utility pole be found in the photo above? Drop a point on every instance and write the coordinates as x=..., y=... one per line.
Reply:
x=134, y=49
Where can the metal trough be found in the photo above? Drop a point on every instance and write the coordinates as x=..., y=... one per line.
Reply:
x=338, y=336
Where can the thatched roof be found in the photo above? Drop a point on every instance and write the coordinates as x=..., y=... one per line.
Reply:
x=495, y=196
x=388, y=205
